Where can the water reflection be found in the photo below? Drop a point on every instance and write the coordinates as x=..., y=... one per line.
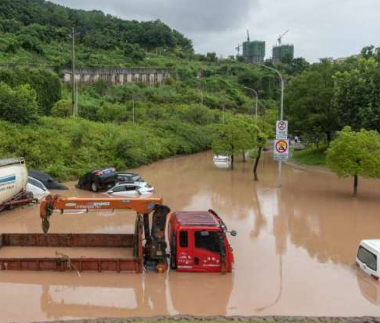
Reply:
x=369, y=287
x=299, y=240
x=65, y=295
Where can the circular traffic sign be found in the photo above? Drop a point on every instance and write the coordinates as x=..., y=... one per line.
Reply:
x=281, y=146
x=282, y=125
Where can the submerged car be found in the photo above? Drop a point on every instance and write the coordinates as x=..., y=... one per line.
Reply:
x=129, y=178
x=131, y=189
x=98, y=180
x=221, y=161
x=368, y=257
x=38, y=189
x=48, y=181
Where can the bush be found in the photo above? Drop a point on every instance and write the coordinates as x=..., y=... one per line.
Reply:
x=62, y=109
x=19, y=104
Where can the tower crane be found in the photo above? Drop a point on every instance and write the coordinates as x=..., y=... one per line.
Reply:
x=280, y=37
x=248, y=35
x=238, y=48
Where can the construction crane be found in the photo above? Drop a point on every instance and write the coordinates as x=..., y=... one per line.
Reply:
x=280, y=37
x=238, y=48
x=248, y=35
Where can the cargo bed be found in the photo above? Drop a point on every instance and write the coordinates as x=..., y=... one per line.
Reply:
x=67, y=252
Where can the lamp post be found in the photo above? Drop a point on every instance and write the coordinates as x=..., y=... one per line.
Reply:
x=281, y=116
x=133, y=111
x=257, y=99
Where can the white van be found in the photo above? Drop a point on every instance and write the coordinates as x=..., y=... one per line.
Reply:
x=368, y=257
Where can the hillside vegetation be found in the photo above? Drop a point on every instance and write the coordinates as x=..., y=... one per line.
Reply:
x=177, y=117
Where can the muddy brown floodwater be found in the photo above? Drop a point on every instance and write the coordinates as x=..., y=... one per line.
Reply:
x=295, y=249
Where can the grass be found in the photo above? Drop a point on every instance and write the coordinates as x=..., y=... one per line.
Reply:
x=312, y=156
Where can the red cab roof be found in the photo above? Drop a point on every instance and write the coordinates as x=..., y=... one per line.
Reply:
x=196, y=218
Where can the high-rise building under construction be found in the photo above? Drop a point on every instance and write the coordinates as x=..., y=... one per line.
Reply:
x=254, y=51
x=282, y=53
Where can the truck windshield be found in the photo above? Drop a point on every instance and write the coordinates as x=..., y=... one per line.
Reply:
x=208, y=240
x=368, y=258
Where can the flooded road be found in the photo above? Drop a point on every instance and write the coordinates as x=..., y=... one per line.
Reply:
x=294, y=253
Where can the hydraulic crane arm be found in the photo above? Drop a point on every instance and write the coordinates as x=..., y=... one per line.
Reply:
x=155, y=245
x=142, y=206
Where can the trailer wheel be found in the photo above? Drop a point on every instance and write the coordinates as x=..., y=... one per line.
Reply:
x=94, y=187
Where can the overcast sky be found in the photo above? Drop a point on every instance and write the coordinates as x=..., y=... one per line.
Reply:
x=318, y=28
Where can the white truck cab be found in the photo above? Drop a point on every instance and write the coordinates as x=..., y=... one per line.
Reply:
x=368, y=257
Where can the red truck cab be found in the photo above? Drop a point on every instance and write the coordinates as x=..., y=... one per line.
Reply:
x=198, y=242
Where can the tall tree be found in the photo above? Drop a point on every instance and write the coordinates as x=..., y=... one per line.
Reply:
x=235, y=135
x=357, y=95
x=355, y=154
x=309, y=102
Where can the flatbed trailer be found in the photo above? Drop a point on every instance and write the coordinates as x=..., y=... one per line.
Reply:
x=62, y=262
x=198, y=240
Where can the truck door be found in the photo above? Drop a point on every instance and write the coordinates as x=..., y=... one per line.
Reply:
x=185, y=261
x=208, y=247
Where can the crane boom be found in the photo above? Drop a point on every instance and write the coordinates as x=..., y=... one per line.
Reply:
x=280, y=37
x=56, y=202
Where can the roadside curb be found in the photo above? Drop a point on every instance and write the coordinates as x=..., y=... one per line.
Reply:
x=238, y=318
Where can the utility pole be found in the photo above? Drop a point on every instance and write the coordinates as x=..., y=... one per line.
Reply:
x=281, y=117
x=73, y=72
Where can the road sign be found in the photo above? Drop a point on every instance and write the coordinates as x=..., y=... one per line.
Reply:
x=282, y=129
x=281, y=149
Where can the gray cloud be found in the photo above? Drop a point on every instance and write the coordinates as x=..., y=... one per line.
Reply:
x=318, y=28
x=193, y=16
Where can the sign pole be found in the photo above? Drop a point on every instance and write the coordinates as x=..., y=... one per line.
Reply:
x=282, y=119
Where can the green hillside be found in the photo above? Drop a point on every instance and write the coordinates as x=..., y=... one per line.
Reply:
x=35, y=46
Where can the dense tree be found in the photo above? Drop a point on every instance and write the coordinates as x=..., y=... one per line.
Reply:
x=355, y=154
x=357, y=95
x=47, y=21
x=19, y=104
x=46, y=85
x=235, y=135
x=309, y=103
x=134, y=52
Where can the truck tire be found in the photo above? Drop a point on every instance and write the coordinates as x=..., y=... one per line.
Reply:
x=94, y=187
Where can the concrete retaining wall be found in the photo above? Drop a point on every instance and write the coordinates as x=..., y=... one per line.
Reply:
x=119, y=76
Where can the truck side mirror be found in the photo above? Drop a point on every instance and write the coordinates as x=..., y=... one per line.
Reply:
x=233, y=233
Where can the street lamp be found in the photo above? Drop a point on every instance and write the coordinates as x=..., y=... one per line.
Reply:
x=201, y=97
x=281, y=116
x=133, y=111
x=257, y=98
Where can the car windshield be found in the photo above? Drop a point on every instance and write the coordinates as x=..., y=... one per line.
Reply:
x=36, y=183
x=368, y=258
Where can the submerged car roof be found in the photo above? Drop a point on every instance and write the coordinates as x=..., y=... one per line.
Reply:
x=197, y=218
x=374, y=244
x=44, y=178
